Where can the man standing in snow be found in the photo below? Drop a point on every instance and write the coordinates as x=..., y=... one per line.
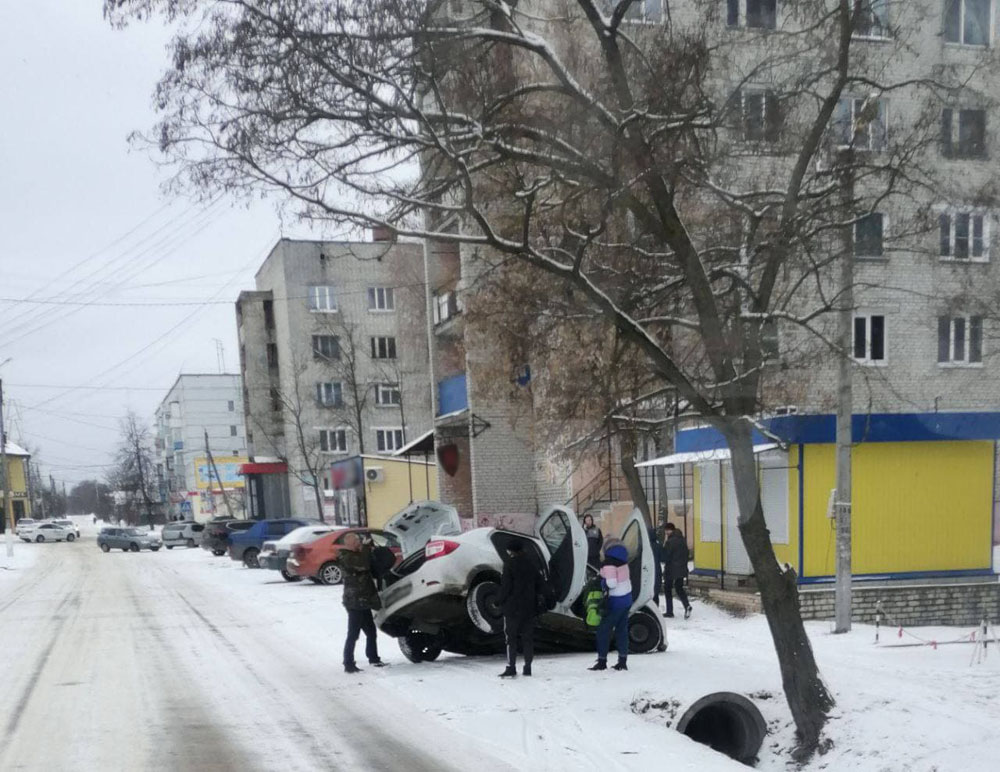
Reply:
x=520, y=587
x=675, y=559
x=360, y=597
x=615, y=579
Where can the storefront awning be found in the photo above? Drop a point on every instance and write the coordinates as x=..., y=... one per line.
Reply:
x=700, y=456
x=271, y=467
x=423, y=444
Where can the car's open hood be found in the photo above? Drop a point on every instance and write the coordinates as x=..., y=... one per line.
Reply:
x=420, y=522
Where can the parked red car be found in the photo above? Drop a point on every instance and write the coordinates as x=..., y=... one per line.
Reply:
x=317, y=560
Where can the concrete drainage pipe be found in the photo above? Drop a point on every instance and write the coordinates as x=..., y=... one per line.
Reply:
x=728, y=723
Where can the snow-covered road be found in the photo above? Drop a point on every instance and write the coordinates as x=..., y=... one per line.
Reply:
x=129, y=661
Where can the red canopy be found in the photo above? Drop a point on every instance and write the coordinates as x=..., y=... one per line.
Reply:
x=276, y=467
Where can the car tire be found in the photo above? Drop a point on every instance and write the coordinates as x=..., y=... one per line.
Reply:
x=190, y=542
x=644, y=633
x=419, y=647
x=154, y=549
x=218, y=553
x=169, y=546
x=330, y=573
x=105, y=548
x=483, y=605
x=71, y=537
x=250, y=558
x=39, y=539
x=290, y=577
x=134, y=547
x=315, y=579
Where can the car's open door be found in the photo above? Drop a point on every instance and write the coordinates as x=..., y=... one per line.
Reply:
x=641, y=561
x=566, y=543
x=419, y=522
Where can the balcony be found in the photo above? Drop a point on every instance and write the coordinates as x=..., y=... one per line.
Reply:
x=452, y=395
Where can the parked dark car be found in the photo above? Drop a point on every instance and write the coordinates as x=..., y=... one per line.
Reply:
x=127, y=539
x=245, y=545
x=215, y=537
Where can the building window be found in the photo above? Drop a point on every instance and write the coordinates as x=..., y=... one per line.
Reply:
x=872, y=20
x=326, y=347
x=769, y=347
x=269, y=314
x=387, y=394
x=967, y=22
x=322, y=299
x=645, y=11
x=232, y=431
x=869, y=338
x=232, y=406
x=381, y=299
x=272, y=355
x=333, y=440
x=329, y=394
x=445, y=306
x=383, y=348
x=275, y=400
x=868, y=232
x=388, y=439
x=757, y=14
x=760, y=115
x=964, y=236
x=860, y=123
x=963, y=133
x=960, y=340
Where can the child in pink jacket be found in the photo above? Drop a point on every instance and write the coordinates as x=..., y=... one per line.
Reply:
x=615, y=579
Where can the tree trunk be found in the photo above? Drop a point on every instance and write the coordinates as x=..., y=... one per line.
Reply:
x=319, y=500
x=632, y=478
x=808, y=698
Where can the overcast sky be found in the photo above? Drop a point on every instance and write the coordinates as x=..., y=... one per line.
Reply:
x=85, y=225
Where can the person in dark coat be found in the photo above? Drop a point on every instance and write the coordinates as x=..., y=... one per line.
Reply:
x=520, y=587
x=595, y=540
x=657, y=564
x=360, y=598
x=675, y=569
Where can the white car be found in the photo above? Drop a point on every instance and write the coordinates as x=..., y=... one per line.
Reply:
x=43, y=532
x=69, y=524
x=274, y=554
x=181, y=533
x=25, y=524
x=444, y=595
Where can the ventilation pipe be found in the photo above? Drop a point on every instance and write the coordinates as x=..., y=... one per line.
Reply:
x=726, y=722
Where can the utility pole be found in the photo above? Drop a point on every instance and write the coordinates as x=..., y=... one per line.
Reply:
x=845, y=404
x=7, y=511
x=211, y=460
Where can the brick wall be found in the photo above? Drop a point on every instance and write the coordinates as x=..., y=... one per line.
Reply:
x=965, y=603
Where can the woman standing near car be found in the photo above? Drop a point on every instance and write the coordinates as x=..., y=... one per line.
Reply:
x=616, y=582
x=595, y=540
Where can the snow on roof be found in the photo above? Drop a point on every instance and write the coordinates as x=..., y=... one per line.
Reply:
x=16, y=450
x=700, y=456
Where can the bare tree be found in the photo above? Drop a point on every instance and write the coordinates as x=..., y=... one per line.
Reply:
x=347, y=367
x=133, y=470
x=689, y=187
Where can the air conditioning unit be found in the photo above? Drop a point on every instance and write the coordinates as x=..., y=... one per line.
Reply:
x=374, y=474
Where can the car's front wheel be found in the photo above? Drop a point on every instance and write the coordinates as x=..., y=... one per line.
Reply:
x=315, y=579
x=153, y=549
x=419, y=647
x=39, y=539
x=483, y=605
x=218, y=553
x=134, y=547
x=250, y=558
x=105, y=548
x=644, y=632
x=169, y=546
x=190, y=542
x=330, y=573
x=71, y=537
x=290, y=577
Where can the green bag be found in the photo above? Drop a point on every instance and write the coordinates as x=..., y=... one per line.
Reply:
x=594, y=605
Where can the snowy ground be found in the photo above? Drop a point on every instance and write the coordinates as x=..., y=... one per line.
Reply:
x=898, y=708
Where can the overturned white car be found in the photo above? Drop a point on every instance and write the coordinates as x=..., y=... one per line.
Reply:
x=443, y=596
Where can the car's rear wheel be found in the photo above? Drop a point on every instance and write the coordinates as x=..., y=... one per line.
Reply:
x=290, y=577
x=419, y=647
x=644, y=633
x=154, y=549
x=483, y=605
x=218, y=553
x=39, y=538
x=330, y=573
x=105, y=548
x=190, y=542
x=71, y=537
x=134, y=547
x=250, y=558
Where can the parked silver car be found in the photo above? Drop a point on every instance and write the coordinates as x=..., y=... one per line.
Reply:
x=185, y=533
x=128, y=540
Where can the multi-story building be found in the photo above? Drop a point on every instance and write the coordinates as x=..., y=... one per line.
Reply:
x=200, y=421
x=333, y=351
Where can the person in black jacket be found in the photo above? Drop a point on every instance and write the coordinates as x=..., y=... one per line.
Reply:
x=595, y=540
x=675, y=569
x=520, y=586
x=360, y=598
